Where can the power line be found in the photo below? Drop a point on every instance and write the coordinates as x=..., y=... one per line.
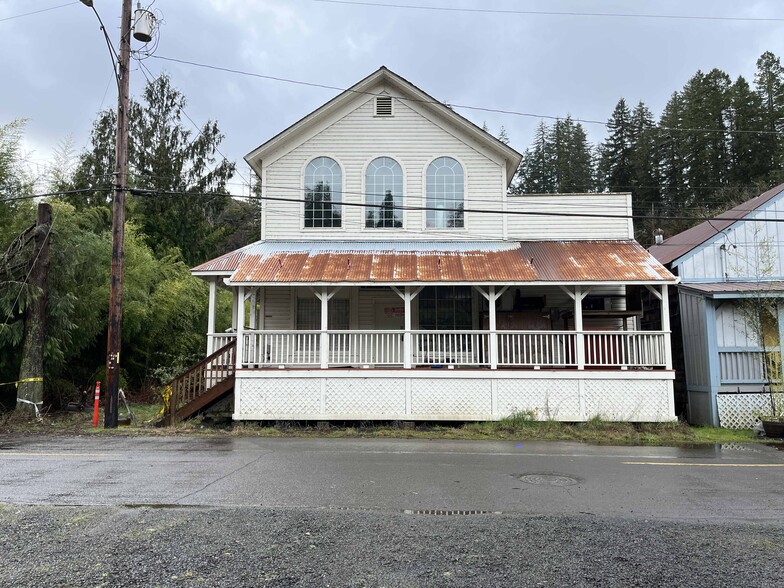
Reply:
x=511, y=197
x=4, y=198
x=551, y=12
x=144, y=67
x=462, y=106
x=141, y=192
x=147, y=192
x=37, y=11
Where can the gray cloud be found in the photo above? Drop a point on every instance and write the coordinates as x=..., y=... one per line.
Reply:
x=55, y=68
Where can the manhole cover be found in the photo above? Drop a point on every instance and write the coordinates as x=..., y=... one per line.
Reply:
x=548, y=479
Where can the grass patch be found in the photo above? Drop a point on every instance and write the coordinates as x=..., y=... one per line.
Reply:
x=521, y=426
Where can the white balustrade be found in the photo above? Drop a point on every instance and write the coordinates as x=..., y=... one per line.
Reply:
x=276, y=348
x=536, y=348
x=625, y=349
x=451, y=348
x=525, y=349
x=219, y=340
x=359, y=348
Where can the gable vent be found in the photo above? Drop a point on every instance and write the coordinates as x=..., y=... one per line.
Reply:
x=384, y=106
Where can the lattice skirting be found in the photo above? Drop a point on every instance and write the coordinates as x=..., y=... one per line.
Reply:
x=450, y=397
x=740, y=411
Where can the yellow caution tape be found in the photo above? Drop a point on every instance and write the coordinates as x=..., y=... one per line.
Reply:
x=24, y=381
x=167, y=392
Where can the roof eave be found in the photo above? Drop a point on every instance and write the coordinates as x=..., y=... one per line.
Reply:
x=510, y=155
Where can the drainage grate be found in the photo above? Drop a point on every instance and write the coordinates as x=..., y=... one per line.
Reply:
x=451, y=513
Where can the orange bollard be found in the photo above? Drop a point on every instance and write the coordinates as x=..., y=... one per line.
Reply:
x=97, y=403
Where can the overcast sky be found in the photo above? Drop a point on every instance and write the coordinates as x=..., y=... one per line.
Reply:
x=55, y=68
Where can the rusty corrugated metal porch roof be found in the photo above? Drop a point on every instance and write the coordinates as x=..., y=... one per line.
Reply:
x=428, y=262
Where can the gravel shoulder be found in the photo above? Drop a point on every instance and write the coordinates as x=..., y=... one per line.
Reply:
x=119, y=546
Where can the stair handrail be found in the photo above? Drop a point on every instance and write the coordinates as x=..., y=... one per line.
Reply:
x=196, y=374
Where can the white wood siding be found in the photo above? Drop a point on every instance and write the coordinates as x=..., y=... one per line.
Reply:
x=752, y=250
x=560, y=225
x=359, y=137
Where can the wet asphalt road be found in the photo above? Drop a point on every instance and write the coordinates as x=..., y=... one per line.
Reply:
x=177, y=511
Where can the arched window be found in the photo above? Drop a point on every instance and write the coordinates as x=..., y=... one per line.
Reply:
x=323, y=187
x=384, y=189
x=445, y=194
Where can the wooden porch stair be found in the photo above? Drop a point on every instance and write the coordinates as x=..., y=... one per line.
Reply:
x=201, y=386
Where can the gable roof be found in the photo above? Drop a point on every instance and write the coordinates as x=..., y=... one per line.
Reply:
x=679, y=245
x=413, y=94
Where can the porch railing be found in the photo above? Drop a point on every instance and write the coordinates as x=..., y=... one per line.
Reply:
x=522, y=349
x=450, y=348
x=749, y=365
x=275, y=348
x=366, y=348
x=219, y=340
x=626, y=348
x=552, y=348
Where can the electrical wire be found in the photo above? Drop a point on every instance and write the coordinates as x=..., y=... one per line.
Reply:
x=142, y=192
x=551, y=12
x=38, y=11
x=4, y=198
x=452, y=105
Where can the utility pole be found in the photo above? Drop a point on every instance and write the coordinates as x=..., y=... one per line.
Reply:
x=30, y=393
x=118, y=224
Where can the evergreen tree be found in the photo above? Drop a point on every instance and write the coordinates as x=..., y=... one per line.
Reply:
x=572, y=159
x=167, y=159
x=503, y=135
x=706, y=106
x=748, y=151
x=671, y=148
x=646, y=195
x=535, y=175
x=769, y=86
x=614, y=171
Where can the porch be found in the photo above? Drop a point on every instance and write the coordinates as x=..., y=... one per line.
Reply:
x=484, y=337
x=449, y=350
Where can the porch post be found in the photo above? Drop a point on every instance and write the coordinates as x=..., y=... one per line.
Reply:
x=407, y=294
x=407, y=327
x=579, y=336
x=493, y=335
x=211, y=317
x=240, y=350
x=666, y=327
x=324, y=326
x=253, y=311
x=234, y=309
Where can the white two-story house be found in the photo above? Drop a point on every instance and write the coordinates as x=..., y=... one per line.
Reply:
x=396, y=279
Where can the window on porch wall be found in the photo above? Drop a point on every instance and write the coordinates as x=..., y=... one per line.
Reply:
x=309, y=314
x=445, y=308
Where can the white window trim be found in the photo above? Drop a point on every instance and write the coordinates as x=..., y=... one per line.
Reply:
x=342, y=167
x=404, y=196
x=445, y=230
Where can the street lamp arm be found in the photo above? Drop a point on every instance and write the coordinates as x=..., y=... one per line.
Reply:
x=112, y=53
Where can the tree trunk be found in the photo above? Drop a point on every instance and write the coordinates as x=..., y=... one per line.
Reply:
x=30, y=392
